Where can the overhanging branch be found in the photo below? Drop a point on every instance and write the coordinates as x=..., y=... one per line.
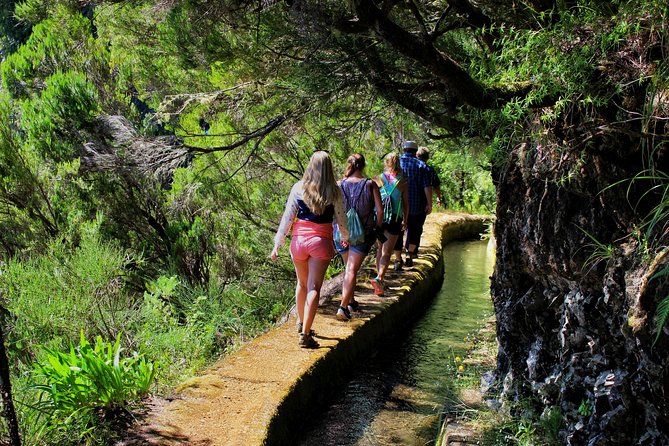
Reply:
x=116, y=146
x=259, y=133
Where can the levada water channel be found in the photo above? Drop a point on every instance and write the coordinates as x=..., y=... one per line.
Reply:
x=397, y=396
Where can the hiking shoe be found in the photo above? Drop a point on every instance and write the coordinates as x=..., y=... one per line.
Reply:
x=398, y=265
x=299, y=329
x=343, y=314
x=378, y=286
x=353, y=305
x=307, y=341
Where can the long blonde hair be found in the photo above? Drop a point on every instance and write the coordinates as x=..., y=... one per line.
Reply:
x=320, y=187
x=392, y=163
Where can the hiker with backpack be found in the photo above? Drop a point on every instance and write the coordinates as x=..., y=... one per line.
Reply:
x=314, y=202
x=394, y=198
x=364, y=215
x=420, y=198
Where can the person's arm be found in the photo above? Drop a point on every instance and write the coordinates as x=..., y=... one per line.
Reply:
x=378, y=204
x=427, y=187
x=340, y=217
x=287, y=219
x=428, y=194
x=436, y=187
x=404, y=188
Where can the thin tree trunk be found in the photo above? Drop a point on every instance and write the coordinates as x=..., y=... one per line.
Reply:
x=6, y=389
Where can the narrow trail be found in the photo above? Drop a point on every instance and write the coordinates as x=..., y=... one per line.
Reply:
x=259, y=394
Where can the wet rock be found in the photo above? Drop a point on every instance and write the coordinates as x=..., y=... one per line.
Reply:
x=575, y=317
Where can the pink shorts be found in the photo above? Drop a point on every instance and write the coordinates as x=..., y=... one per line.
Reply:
x=302, y=247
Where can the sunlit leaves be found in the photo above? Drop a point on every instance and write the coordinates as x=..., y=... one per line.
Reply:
x=52, y=119
x=60, y=43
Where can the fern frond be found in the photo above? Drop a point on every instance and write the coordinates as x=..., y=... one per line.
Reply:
x=662, y=312
x=663, y=272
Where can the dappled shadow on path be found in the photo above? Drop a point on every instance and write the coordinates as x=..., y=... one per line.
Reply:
x=169, y=435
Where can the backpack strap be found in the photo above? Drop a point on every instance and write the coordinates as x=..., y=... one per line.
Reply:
x=364, y=186
x=362, y=189
x=388, y=182
x=348, y=201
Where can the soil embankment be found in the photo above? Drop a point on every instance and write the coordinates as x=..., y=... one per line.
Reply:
x=263, y=392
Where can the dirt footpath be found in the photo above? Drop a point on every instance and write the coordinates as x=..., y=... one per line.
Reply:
x=263, y=392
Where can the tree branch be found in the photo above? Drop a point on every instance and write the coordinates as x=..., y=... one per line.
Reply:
x=435, y=32
x=419, y=18
x=447, y=70
x=259, y=133
x=402, y=93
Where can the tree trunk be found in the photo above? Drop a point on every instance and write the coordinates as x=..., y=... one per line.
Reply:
x=6, y=389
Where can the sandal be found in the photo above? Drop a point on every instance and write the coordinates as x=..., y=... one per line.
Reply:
x=307, y=341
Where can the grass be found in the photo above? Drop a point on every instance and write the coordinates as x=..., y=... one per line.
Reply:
x=475, y=419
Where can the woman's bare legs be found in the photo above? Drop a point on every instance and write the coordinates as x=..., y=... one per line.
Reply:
x=383, y=255
x=316, y=268
x=302, y=273
x=353, y=261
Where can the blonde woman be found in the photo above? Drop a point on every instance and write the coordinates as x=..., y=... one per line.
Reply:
x=393, y=185
x=362, y=194
x=312, y=205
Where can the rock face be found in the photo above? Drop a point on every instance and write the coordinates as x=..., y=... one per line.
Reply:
x=573, y=289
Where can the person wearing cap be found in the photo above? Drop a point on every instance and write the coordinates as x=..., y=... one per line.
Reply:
x=420, y=198
x=423, y=154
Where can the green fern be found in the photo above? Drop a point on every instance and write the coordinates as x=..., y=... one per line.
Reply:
x=663, y=308
x=662, y=312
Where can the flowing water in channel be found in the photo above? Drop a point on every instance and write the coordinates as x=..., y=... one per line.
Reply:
x=395, y=397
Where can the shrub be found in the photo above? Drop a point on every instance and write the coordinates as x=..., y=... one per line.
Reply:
x=90, y=381
x=53, y=296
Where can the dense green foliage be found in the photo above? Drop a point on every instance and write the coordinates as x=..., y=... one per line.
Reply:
x=157, y=227
x=173, y=264
x=88, y=384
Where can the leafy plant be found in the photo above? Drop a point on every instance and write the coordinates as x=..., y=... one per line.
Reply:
x=585, y=409
x=54, y=295
x=549, y=426
x=600, y=251
x=525, y=433
x=89, y=379
x=663, y=307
